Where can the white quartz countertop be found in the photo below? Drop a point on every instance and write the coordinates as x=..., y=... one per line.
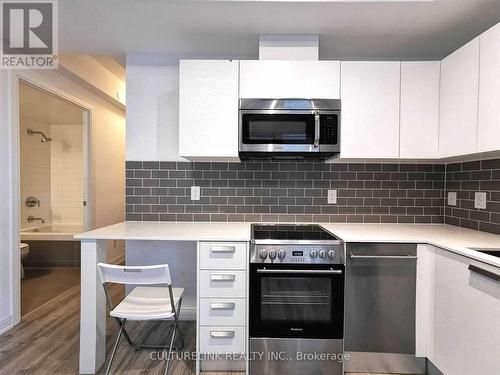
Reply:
x=447, y=237
x=171, y=231
x=441, y=235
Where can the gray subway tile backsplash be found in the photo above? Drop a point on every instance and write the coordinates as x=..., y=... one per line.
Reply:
x=465, y=179
x=292, y=191
x=296, y=191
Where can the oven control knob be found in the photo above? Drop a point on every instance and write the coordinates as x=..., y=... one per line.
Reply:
x=322, y=254
x=313, y=253
x=331, y=254
x=263, y=254
x=272, y=254
x=281, y=254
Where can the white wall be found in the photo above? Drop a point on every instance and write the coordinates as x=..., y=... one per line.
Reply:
x=66, y=174
x=152, y=110
x=6, y=239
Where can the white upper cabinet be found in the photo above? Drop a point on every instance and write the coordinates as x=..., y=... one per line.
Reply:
x=208, y=109
x=459, y=101
x=370, y=109
x=289, y=79
x=489, y=91
x=419, y=122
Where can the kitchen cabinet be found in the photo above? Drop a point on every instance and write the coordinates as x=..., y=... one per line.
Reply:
x=459, y=101
x=467, y=316
x=488, y=132
x=370, y=94
x=419, y=121
x=289, y=79
x=222, y=304
x=208, y=109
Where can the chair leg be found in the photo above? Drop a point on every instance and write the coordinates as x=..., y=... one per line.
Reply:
x=170, y=349
x=177, y=320
x=125, y=333
x=176, y=326
x=115, y=347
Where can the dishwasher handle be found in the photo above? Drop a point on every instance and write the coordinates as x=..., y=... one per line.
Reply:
x=406, y=257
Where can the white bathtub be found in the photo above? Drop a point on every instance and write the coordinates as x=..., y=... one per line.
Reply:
x=55, y=232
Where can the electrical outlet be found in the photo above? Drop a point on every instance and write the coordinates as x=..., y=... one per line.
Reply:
x=332, y=196
x=452, y=198
x=480, y=200
x=195, y=193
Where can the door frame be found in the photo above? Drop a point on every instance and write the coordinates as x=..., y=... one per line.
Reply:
x=33, y=80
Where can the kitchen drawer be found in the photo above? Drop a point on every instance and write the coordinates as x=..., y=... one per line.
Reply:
x=217, y=255
x=215, y=283
x=216, y=339
x=222, y=312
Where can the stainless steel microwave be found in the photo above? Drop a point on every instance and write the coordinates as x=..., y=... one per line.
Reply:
x=289, y=128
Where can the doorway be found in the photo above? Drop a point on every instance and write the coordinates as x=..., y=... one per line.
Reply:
x=53, y=192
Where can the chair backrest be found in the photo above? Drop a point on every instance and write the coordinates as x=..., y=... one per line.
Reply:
x=138, y=275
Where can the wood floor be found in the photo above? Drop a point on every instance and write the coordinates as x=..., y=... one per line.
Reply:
x=47, y=342
x=42, y=285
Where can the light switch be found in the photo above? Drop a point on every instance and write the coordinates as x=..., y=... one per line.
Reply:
x=480, y=200
x=452, y=198
x=195, y=193
x=332, y=196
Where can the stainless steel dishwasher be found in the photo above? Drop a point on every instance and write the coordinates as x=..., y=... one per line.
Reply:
x=380, y=308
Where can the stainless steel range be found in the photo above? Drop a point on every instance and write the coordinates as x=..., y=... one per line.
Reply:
x=296, y=300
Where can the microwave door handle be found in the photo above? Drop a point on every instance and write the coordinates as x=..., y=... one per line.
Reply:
x=316, y=129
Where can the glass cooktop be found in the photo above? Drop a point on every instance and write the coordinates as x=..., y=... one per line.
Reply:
x=291, y=232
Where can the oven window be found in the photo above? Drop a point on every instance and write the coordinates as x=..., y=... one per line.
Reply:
x=302, y=300
x=278, y=128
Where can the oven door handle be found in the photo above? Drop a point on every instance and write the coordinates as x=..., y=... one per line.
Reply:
x=331, y=271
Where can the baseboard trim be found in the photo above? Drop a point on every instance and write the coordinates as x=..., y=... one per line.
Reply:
x=6, y=324
x=188, y=314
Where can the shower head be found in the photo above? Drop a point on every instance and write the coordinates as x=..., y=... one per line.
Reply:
x=44, y=137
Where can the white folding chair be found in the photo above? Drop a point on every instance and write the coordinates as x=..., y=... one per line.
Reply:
x=144, y=302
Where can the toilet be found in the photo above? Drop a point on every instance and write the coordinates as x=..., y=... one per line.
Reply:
x=25, y=250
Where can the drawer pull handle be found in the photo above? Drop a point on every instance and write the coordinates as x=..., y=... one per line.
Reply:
x=410, y=257
x=221, y=334
x=223, y=249
x=222, y=305
x=222, y=277
x=490, y=275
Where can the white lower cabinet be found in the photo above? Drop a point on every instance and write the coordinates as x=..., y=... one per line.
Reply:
x=217, y=311
x=222, y=306
x=222, y=340
x=467, y=316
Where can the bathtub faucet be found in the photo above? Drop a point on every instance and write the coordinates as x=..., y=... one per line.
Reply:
x=32, y=219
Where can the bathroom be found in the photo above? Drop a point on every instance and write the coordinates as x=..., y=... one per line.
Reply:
x=53, y=137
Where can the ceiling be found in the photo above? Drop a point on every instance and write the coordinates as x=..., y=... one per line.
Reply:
x=229, y=29
x=44, y=107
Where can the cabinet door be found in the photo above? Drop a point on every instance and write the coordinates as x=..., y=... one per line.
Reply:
x=489, y=91
x=459, y=101
x=419, y=109
x=370, y=109
x=289, y=79
x=467, y=317
x=208, y=109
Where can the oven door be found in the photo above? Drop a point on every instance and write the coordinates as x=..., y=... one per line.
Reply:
x=279, y=131
x=297, y=301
